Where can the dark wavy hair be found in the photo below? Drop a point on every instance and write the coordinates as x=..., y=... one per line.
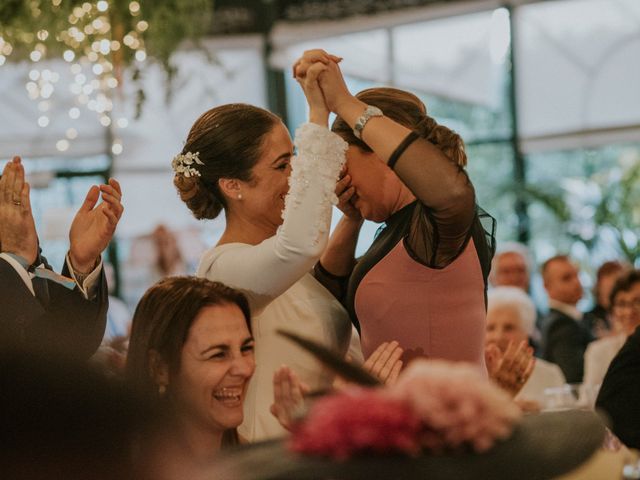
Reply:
x=229, y=140
x=624, y=283
x=161, y=323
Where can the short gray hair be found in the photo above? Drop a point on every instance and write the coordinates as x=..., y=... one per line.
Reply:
x=517, y=299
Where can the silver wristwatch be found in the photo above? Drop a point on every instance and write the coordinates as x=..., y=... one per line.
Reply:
x=362, y=120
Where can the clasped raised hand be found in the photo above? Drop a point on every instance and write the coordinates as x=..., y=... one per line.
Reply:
x=332, y=86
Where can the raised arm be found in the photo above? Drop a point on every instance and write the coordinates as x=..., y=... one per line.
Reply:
x=266, y=270
x=338, y=259
x=436, y=180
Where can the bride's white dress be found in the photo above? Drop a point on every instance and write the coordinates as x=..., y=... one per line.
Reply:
x=275, y=276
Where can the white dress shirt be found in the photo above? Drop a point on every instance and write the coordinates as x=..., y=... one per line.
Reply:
x=87, y=286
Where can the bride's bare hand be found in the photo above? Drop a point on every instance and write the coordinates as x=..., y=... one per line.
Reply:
x=318, y=111
x=334, y=88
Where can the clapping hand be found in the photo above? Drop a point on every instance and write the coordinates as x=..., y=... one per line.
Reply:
x=93, y=226
x=17, y=228
x=288, y=397
x=384, y=363
x=511, y=369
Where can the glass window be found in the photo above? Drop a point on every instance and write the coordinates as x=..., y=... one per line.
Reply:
x=585, y=202
x=490, y=167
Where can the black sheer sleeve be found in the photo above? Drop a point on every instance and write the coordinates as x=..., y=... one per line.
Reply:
x=337, y=285
x=441, y=228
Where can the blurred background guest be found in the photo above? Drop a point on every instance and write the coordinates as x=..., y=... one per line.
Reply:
x=565, y=339
x=597, y=320
x=510, y=320
x=169, y=260
x=511, y=266
x=625, y=318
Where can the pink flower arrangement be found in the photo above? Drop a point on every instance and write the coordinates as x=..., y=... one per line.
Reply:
x=434, y=406
x=456, y=404
x=356, y=421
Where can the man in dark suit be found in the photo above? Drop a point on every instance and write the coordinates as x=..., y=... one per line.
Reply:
x=619, y=394
x=565, y=339
x=38, y=307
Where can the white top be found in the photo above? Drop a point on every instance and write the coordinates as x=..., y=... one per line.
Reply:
x=545, y=375
x=275, y=277
x=598, y=357
x=569, y=310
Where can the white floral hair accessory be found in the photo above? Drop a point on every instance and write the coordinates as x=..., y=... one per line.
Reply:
x=183, y=164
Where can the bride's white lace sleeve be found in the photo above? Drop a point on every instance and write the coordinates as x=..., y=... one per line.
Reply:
x=268, y=269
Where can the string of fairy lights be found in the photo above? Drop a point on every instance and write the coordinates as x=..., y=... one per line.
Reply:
x=95, y=49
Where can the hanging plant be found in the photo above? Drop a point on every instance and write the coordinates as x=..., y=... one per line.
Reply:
x=99, y=40
x=52, y=27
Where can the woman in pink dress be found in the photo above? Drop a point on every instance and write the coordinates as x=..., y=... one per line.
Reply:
x=423, y=280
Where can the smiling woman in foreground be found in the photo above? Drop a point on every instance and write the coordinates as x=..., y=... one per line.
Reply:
x=191, y=356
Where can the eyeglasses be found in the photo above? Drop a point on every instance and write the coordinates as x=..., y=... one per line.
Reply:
x=633, y=304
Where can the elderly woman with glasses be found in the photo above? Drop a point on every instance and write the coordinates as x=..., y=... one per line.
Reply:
x=624, y=304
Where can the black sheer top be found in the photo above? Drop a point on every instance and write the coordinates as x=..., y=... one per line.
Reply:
x=435, y=228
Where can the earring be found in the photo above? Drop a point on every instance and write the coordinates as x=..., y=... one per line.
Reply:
x=162, y=389
x=239, y=196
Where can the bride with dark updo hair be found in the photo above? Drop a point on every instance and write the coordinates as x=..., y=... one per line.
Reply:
x=240, y=159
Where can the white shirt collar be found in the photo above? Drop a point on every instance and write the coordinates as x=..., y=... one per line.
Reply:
x=569, y=310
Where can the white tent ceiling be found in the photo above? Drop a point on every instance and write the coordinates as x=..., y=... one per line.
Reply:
x=577, y=70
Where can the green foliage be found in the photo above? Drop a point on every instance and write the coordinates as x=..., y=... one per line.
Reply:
x=170, y=22
x=549, y=196
x=155, y=28
x=603, y=205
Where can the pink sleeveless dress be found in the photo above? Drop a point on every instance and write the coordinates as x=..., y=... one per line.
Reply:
x=431, y=312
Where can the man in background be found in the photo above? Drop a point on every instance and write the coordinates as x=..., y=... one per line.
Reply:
x=565, y=339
